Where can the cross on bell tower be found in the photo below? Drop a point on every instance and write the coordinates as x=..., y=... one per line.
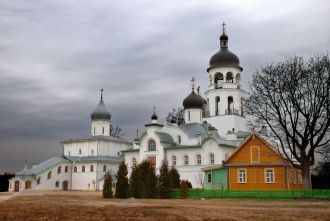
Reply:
x=193, y=80
x=101, y=93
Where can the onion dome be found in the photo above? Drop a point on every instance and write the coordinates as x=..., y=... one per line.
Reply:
x=154, y=115
x=101, y=112
x=193, y=101
x=224, y=57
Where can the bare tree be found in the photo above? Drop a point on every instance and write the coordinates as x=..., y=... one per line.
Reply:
x=293, y=99
x=116, y=132
x=177, y=115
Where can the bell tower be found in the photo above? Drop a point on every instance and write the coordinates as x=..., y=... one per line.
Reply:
x=224, y=97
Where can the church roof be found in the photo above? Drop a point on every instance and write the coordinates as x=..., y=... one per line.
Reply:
x=97, y=138
x=193, y=100
x=101, y=112
x=165, y=137
x=52, y=162
x=195, y=129
x=95, y=159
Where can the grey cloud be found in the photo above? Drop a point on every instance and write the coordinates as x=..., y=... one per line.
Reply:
x=56, y=55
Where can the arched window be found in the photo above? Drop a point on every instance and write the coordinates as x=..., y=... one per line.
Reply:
x=75, y=169
x=57, y=184
x=151, y=145
x=229, y=77
x=189, y=115
x=49, y=175
x=134, y=161
x=92, y=168
x=199, y=159
x=104, y=168
x=79, y=151
x=211, y=158
x=230, y=105
x=59, y=169
x=66, y=168
x=83, y=169
x=92, y=152
x=238, y=78
x=38, y=180
x=174, y=160
x=94, y=130
x=102, y=130
x=217, y=102
x=218, y=80
x=179, y=139
x=69, y=153
x=186, y=160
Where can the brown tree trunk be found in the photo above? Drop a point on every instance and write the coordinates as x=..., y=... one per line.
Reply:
x=306, y=178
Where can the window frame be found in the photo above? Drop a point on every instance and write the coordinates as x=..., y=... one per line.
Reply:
x=212, y=158
x=49, y=175
x=239, y=175
x=199, y=159
x=186, y=159
x=83, y=169
x=209, y=178
x=255, y=147
x=152, y=147
x=266, y=175
x=173, y=160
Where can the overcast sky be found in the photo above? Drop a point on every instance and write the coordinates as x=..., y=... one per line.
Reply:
x=55, y=56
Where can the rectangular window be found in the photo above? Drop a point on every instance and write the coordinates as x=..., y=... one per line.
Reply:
x=209, y=178
x=255, y=154
x=186, y=160
x=269, y=175
x=189, y=115
x=241, y=175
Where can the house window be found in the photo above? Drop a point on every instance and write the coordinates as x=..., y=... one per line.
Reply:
x=66, y=168
x=269, y=175
x=49, y=175
x=75, y=169
x=241, y=178
x=199, y=159
x=104, y=168
x=38, y=180
x=59, y=169
x=174, y=160
x=134, y=161
x=92, y=168
x=151, y=145
x=179, y=139
x=209, y=178
x=186, y=160
x=57, y=184
x=211, y=158
x=83, y=169
x=79, y=151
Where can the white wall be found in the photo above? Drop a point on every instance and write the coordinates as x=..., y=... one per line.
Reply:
x=100, y=127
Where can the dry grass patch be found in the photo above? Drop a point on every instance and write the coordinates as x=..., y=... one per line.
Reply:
x=91, y=206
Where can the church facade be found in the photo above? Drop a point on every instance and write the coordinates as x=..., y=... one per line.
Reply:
x=214, y=127
x=83, y=163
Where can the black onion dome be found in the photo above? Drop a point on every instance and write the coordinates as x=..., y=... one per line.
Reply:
x=224, y=37
x=224, y=58
x=101, y=112
x=154, y=116
x=193, y=101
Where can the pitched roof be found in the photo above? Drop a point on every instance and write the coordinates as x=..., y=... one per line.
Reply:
x=97, y=138
x=165, y=137
x=42, y=166
x=194, y=129
x=95, y=159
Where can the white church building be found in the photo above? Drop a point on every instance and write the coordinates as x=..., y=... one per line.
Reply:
x=214, y=126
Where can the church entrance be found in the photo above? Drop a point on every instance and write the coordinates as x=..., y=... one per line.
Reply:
x=152, y=161
x=28, y=184
x=16, y=186
x=65, y=185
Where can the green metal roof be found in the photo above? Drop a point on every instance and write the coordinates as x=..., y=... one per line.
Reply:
x=42, y=167
x=165, y=137
x=96, y=159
